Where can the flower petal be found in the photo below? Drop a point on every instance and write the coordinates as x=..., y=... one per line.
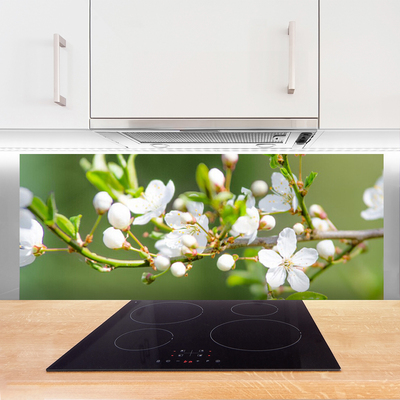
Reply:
x=274, y=203
x=287, y=242
x=276, y=276
x=252, y=237
x=155, y=191
x=202, y=240
x=138, y=205
x=372, y=213
x=269, y=258
x=173, y=219
x=25, y=259
x=368, y=196
x=195, y=208
x=280, y=184
x=145, y=218
x=242, y=225
x=203, y=222
x=305, y=257
x=298, y=280
x=169, y=193
x=165, y=250
x=25, y=218
x=25, y=197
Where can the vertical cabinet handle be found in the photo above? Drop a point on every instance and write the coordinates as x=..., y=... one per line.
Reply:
x=292, y=45
x=58, y=42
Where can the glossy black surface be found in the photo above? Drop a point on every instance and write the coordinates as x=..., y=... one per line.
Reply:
x=203, y=335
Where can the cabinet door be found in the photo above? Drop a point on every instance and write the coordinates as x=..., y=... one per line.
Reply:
x=360, y=64
x=27, y=63
x=202, y=58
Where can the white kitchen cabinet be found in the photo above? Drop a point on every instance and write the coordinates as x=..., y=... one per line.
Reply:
x=203, y=59
x=27, y=64
x=359, y=64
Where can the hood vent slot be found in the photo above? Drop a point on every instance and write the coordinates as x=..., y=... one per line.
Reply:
x=207, y=136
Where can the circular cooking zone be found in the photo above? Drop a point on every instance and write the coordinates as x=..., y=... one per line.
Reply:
x=165, y=313
x=143, y=339
x=255, y=335
x=254, y=309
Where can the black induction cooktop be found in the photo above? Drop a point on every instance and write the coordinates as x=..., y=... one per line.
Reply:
x=203, y=335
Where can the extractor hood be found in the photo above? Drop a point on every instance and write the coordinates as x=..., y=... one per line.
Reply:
x=212, y=139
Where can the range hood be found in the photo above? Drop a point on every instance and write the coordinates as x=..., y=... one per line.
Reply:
x=215, y=139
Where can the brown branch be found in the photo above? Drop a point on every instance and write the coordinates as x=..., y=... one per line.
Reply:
x=269, y=242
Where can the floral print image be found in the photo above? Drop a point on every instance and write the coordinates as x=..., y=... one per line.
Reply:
x=273, y=226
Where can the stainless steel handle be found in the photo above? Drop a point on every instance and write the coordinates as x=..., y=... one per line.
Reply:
x=292, y=66
x=58, y=42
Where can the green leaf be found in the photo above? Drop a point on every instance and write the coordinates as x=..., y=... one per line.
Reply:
x=286, y=174
x=85, y=164
x=105, y=181
x=76, y=222
x=241, y=278
x=197, y=196
x=307, y=296
x=99, y=162
x=117, y=171
x=273, y=161
x=51, y=204
x=135, y=192
x=131, y=171
x=203, y=182
x=40, y=208
x=310, y=179
x=121, y=160
x=157, y=235
x=65, y=225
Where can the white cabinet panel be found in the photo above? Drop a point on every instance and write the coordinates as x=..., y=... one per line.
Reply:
x=27, y=63
x=360, y=64
x=202, y=58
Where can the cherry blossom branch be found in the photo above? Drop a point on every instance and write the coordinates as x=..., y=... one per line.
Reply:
x=269, y=242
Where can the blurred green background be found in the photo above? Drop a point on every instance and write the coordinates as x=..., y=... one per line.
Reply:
x=339, y=188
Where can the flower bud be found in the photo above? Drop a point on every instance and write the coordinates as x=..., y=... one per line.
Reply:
x=230, y=160
x=162, y=263
x=317, y=211
x=179, y=204
x=298, y=228
x=113, y=238
x=178, y=269
x=225, y=262
x=119, y=216
x=190, y=241
x=102, y=202
x=320, y=224
x=259, y=188
x=326, y=249
x=187, y=218
x=267, y=223
x=216, y=177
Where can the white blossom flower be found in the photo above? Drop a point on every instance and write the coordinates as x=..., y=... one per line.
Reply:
x=182, y=227
x=225, y=262
x=152, y=202
x=25, y=200
x=320, y=224
x=286, y=263
x=373, y=198
x=230, y=160
x=317, y=211
x=102, y=202
x=298, y=228
x=267, y=223
x=162, y=263
x=178, y=269
x=259, y=188
x=190, y=241
x=326, y=249
x=119, y=216
x=166, y=251
x=216, y=177
x=247, y=225
x=30, y=241
x=284, y=197
x=113, y=238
